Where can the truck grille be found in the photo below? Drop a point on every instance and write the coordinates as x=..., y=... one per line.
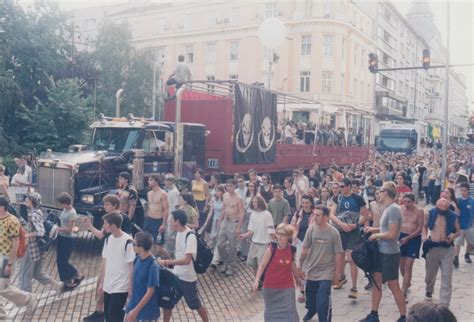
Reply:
x=51, y=182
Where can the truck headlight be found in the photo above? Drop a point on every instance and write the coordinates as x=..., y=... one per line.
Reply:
x=87, y=199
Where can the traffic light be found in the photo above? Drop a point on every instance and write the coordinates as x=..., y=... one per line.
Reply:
x=426, y=58
x=373, y=63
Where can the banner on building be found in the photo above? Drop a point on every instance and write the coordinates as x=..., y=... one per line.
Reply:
x=255, y=119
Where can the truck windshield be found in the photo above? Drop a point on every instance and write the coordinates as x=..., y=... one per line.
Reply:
x=393, y=143
x=114, y=139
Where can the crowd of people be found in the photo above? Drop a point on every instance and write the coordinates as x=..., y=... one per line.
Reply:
x=296, y=236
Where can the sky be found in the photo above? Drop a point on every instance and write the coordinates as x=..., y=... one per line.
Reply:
x=461, y=25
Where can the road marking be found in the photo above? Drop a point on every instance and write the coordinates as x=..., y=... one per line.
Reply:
x=47, y=298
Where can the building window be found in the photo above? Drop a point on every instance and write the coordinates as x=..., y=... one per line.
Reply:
x=234, y=50
x=270, y=9
x=326, y=82
x=189, y=54
x=211, y=53
x=234, y=77
x=305, y=77
x=211, y=19
x=308, y=8
x=234, y=17
x=306, y=45
x=210, y=86
x=327, y=45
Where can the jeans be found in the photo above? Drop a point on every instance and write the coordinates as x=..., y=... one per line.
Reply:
x=30, y=270
x=430, y=192
x=318, y=299
x=65, y=269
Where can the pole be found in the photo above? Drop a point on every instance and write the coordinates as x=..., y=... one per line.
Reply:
x=153, y=104
x=269, y=73
x=446, y=98
x=179, y=141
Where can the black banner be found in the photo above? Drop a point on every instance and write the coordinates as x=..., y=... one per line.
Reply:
x=255, y=120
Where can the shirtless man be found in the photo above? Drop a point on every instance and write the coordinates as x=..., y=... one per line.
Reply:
x=441, y=227
x=157, y=215
x=231, y=220
x=410, y=238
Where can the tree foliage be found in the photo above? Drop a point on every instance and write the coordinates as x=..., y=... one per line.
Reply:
x=49, y=92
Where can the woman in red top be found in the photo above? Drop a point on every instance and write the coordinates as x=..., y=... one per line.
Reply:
x=280, y=275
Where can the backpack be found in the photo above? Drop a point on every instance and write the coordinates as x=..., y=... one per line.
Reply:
x=204, y=254
x=274, y=247
x=50, y=234
x=168, y=287
x=366, y=256
x=22, y=245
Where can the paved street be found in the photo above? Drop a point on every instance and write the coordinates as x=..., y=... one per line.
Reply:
x=230, y=299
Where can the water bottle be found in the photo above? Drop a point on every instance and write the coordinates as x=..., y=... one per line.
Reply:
x=159, y=237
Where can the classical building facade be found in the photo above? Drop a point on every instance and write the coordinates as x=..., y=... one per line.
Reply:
x=324, y=55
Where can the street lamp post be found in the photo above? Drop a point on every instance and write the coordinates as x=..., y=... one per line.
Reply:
x=444, y=150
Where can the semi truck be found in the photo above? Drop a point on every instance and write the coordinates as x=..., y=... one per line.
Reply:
x=226, y=127
x=399, y=137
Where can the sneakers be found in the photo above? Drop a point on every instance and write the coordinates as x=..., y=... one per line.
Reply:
x=223, y=268
x=58, y=286
x=353, y=294
x=429, y=296
x=402, y=319
x=31, y=306
x=456, y=261
x=308, y=317
x=97, y=316
x=301, y=298
x=467, y=259
x=340, y=283
x=229, y=271
x=370, y=318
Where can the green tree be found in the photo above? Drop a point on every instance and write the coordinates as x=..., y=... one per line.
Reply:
x=62, y=120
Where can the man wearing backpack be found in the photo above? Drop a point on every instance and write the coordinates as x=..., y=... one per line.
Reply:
x=185, y=254
x=346, y=215
x=9, y=241
x=322, y=249
x=143, y=304
x=118, y=258
x=388, y=261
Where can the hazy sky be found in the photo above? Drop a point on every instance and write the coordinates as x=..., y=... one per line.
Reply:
x=461, y=24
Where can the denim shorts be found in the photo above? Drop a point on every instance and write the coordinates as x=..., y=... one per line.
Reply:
x=152, y=226
x=189, y=291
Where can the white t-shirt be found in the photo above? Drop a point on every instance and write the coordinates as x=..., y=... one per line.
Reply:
x=183, y=247
x=173, y=200
x=261, y=224
x=117, y=274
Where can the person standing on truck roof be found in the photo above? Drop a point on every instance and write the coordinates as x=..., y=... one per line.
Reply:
x=180, y=75
x=128, y=197
x=231, y=222
x=157, y=216
x=200, y=190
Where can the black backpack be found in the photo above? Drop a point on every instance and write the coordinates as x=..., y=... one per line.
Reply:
x=204, y=254
x=366, y=256
x=168, y=289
